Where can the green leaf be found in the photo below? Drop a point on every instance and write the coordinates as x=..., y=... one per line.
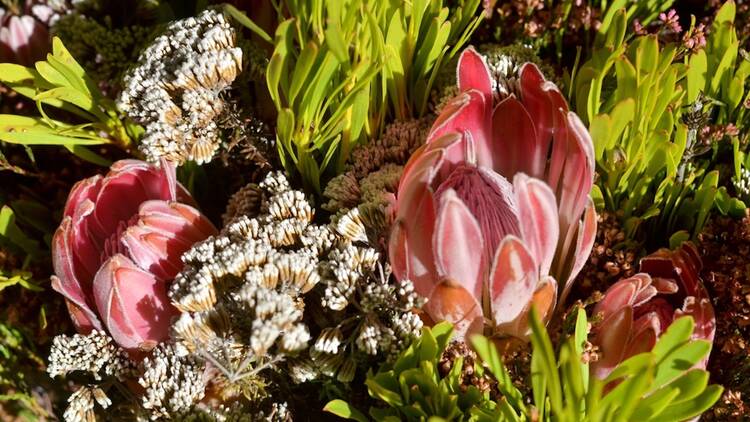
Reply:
x=489, y=355
x=679, y=361
x=677, y=334
x=242, y=18
x=344, y=410
x=692, y=408
x=378, y=391
x=542, y=347
x=10, y=232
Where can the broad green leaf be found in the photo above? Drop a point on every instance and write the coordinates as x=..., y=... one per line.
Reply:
x=302, y=68
x=697, y=75
x=680, y=361
x=344, y=410
x=677, y=333
x=10, y=232
x=692, y=408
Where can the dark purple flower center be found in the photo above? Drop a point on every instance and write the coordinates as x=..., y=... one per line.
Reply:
x=489, y=197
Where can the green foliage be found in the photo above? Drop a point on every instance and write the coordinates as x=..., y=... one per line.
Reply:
x=720, y=72
x=413, y=390
x=17, y=353
x=13, y=237
x=632, y=93
x=418, y=37
x=645, y=11
x=660, y=385
x=60, y=82
x=340, y=68
x=319, y=86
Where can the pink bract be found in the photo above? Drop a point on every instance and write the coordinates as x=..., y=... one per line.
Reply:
x=24, y=39
x=493, y=213
x=118, y=247
x=637, y=310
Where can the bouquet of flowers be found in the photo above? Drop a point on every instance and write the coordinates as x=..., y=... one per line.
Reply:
x=374, y=210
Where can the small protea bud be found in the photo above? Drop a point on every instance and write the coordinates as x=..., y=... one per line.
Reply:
x=119, y=246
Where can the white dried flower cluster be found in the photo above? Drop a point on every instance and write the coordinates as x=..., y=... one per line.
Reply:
x=742, y=184
x=374, y=172
x=504, y=64
x=382, y=324
x=95, y=354
x=247, y=295
x=81, y=404
x=174, y=90
x=173, y=382
x=241, y=292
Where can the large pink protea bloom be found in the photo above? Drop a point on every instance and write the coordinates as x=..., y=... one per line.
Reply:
x=480, y=248
x=24, y=39
x=118, y=247
x=637, y=310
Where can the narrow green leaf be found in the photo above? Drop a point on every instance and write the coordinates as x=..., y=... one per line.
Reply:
x=242, y=18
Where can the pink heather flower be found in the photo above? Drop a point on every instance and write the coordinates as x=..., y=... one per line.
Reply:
x=671, y=21
x=493, y=213
x=118, y=247
x=695, y=40
x=24, y=39
x=636, y=311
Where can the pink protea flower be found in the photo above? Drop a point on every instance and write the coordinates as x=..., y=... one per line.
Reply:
x=118, y=247
x=24, y=38
x=481, y=248
x=637, y=310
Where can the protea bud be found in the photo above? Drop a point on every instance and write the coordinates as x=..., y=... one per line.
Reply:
x=637, y=310
x=118, y=247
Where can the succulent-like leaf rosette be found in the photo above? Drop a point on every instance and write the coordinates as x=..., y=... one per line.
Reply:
x=493, y=213
x=637, y=310
x=118, y=247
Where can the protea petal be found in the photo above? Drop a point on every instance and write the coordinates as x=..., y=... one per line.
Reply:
x=543, y=300
x=421, y=265
x=612, y=339
x=451, y=302
x=458, y=244
x=644, y=333
x=82, y=191
x=538, y=219
x=473, y=72
x=163, y=232
x=584, y=243
x=513, y=280
x=515, y=140
x=133, y=304
x=398, y=252
x=618, y=296
x=468, y=112
x=540, y=108
x=67, y=281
